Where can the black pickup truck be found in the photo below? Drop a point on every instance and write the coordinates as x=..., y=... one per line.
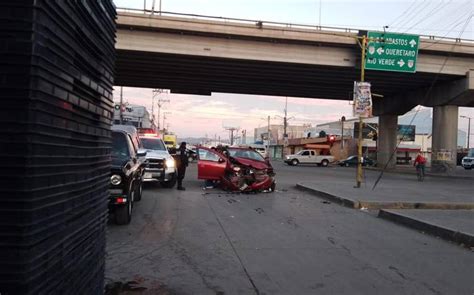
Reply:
x=126, y=176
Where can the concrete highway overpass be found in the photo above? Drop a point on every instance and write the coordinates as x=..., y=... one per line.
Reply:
x=198, y=55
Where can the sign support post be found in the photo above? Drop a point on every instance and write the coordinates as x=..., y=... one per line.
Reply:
x=361, y=121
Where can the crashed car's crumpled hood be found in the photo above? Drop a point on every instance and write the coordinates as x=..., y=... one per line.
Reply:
x=157, y=154
x=255, y=164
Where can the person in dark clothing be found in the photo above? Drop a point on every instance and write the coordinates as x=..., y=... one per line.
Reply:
x=181, y=163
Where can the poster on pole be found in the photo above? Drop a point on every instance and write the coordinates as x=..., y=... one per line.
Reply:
x=362, y=99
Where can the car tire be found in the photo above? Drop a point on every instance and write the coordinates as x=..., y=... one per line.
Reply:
x=294, y=162
x=324, y=163
x=170, y=183
x=346, y=164
x=139, y=192
x=467, y=168
x=123, y=214
x=272, y=187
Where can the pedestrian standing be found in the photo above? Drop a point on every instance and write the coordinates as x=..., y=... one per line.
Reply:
x=181, y=163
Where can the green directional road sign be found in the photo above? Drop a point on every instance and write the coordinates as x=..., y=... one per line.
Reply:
x=391, y=52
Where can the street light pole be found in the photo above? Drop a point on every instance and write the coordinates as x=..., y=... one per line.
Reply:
x=468, y=129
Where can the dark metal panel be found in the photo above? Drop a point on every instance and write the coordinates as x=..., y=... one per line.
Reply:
x=56, y=77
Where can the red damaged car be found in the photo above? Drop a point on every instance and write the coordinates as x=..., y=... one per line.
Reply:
x=236, y=169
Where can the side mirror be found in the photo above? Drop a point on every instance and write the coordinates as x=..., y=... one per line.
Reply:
x=141, y=153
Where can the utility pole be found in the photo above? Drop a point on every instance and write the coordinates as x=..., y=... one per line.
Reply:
x=153, y=110
x=160, y=104
x=269, y=137
x=468, y=129
x=285, y=120
x=268, y=130
x=164, y=118
x=343, y=119
x=121, y=105
x=361, y=121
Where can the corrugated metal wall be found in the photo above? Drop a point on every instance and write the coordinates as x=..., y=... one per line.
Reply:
x=56, y=77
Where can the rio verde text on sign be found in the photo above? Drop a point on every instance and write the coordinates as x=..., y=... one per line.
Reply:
x=392, y=52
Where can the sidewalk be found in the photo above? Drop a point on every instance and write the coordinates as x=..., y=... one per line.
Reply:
x=452, y=225
x=451, y=202
x=459, y=173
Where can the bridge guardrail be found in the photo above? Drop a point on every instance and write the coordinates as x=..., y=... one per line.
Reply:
x=280, y=24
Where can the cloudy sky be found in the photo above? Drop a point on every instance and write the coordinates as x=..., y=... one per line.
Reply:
x=196, y=116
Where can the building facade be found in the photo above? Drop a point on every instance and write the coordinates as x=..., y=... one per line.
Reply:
x=135, y=115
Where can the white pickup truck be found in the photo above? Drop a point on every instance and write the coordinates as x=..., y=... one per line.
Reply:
x=308, y=157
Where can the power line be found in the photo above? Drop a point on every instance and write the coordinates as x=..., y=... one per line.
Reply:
x=408, y=15
x=449, y=14
x=429, y=14
x=419, y=107
x=466, y=21
x=398, y=17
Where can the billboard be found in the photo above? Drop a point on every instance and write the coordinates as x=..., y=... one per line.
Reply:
x=404, y=132
x=368, y=132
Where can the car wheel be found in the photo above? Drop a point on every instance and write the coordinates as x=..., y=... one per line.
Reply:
x=294, y=162
x=138, y=192
x=324, y=163
x=170, y=183
x=123, y=214
x=346, y=164
x=272, y=187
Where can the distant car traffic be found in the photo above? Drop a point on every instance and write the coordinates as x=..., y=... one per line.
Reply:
x=159, y=164
x=308, y=157
x=352, y=161
x=468, y=161
x=125, y=177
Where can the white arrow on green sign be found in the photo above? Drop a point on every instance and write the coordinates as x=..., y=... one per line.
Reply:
x=391, y=52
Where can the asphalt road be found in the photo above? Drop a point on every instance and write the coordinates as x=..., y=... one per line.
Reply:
x=287, y=242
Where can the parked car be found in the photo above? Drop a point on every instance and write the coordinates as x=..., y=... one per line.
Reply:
x=160, y=166
x=125, y=177
x=468, y=161
x=309, y=157
x=236, y=169
x=352, y=161
x=133, y=134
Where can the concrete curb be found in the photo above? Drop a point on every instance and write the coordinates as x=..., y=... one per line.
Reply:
x=357, y=204
x=335, y=199
x=429, y=174
x=433, y=229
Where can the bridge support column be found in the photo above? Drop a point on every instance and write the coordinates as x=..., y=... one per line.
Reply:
x=387, y=141
x=444, y=143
